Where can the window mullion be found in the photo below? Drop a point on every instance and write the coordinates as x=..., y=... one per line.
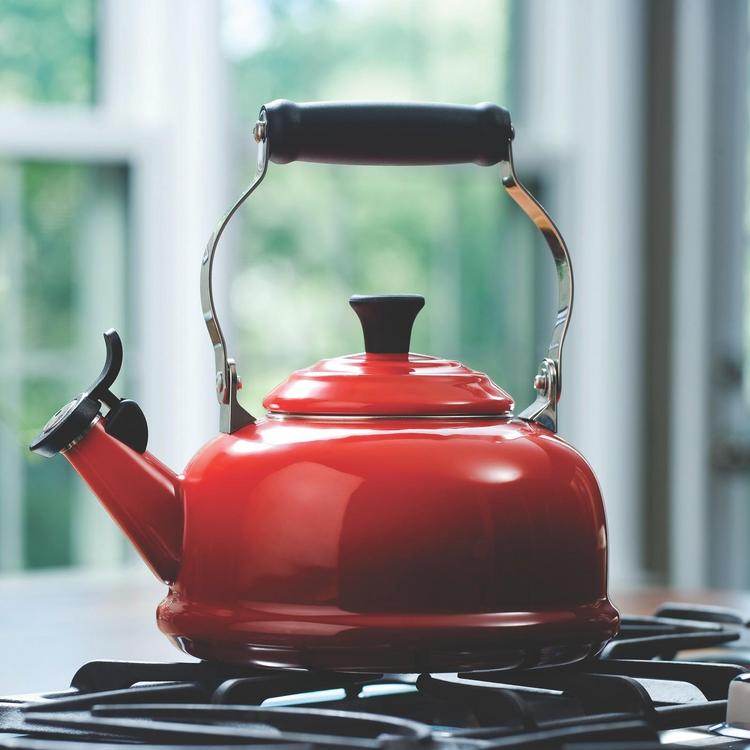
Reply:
x=11, y=462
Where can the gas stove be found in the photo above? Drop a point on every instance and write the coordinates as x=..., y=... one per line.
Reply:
x=679, y=678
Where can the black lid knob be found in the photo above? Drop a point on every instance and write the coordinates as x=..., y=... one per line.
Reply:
x=387, y=320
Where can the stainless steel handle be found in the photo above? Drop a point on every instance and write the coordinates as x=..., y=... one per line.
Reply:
x=547, y=382
x=232, y=416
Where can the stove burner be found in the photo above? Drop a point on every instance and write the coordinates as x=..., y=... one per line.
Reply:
x=624, y=697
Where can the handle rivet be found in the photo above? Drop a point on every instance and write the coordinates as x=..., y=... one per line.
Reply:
x=541, y=383
x=259, y=131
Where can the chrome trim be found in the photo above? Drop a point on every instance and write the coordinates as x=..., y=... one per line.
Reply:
x=547, y=385
x=96, y=419
x=731, y=730
x=548, y=381
x=280, y=416
x=232, y=416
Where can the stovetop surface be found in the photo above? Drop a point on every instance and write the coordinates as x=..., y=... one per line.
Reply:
x=661, y=681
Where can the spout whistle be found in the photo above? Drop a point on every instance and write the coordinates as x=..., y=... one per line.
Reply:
x=125, y=419
x=99, y=389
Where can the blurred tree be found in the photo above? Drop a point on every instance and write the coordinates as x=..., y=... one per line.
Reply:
x=47, y=51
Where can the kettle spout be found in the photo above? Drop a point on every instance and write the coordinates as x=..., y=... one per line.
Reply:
x=142, y=495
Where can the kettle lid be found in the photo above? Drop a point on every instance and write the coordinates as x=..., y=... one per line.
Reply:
x=386, y=379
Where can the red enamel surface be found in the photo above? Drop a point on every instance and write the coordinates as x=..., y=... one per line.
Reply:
x=140, y=493
x=344, y=539
x=388, y=384
x=381, y=544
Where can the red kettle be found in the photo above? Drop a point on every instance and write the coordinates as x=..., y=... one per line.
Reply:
x=390, y=512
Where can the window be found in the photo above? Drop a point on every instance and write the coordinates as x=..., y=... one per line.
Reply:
x=113, y=177
x=125, y=131
x=63, y=232
x=63, y=229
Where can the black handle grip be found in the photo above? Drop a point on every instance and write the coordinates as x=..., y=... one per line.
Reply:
x=395, y=133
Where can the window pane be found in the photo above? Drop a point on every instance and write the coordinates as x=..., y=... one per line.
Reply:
x=62, y=229
x=53, y=199
x=47, y=51
x=315, y=234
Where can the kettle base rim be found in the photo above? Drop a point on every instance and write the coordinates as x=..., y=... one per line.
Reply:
x=381, y=643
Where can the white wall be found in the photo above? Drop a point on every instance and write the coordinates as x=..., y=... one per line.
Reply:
x=581, y=87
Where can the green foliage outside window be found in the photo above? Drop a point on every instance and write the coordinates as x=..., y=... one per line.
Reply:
x=47, y=51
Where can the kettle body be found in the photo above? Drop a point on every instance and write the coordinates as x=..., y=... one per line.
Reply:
x=391, y=512
x=385, y=545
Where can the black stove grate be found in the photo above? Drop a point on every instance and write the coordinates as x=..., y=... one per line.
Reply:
x=623, y=698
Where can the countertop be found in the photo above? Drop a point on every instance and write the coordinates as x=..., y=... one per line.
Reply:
x=52, y=623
